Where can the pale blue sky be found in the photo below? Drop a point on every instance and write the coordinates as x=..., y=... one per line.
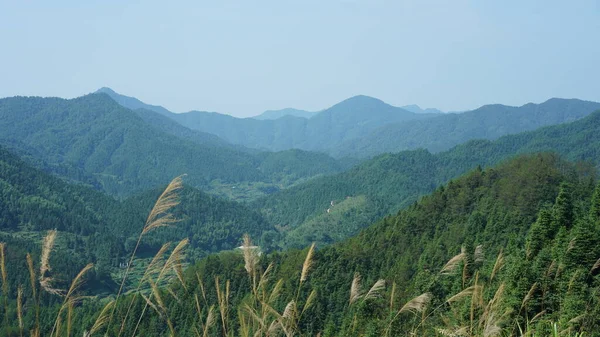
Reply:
x=243, y=57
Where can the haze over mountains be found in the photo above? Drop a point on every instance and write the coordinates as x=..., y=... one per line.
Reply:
x=363, y=126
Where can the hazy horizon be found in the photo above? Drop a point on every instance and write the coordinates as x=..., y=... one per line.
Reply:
x=245, y=58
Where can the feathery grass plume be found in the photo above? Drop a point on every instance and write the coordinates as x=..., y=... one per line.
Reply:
x=414, y=306
x=70, y=296
x=392, y=296
x=244, y=329
x=375, y=290
x=161, y=305
x=497, y=265
x=210, y=321
x=152, y=269
x=309, y=301
x=417, y=304
x=251, y=255
x=457, y=332
x=355, y=292
x=32, y=281
x=4, y=280
x=452, y=264
x=174, y=260
x=32, y=276
x=478, y=255
x=307, y=263
x=275, y=292
x=595, y=266
x=201, y=284
x=528, y=296
x=290, y=313
x=262, y=282
x=492, y=328
x=223, y=301
x=69, y=318
x=47, y=247
x=154, y=265
x=102, y=318
x=158, y=217
x=465, y=293
x=20, y=309
x=551, y=268
x=572, y=244
x=153, y=306
x=537, y=316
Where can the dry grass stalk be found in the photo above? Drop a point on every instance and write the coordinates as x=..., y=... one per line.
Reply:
x=497, y=265
x=375, y=290
x=457, y=332
x=478, y=255
x=465, y=293
x=223, y=300
x=251, y=255
x=529, y=295
x=392, y=296
x=102, y=318
x=309, y=301
x=452, y=264
x=210, y=321
x=595, y=266
x=307, y=263
x=275, y=292
x=355, y=292
x=537, y=316
x=20, y=309
x=70, y=297
x=417, y=304
x=159, y=216
x=4, y=280
x=69, y=318
x=47, y=247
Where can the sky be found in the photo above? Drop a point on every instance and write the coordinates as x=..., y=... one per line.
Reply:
x=244, y=57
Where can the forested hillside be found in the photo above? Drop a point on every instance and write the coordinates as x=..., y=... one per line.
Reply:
x=96, y=228
x=392, y=181
x=509, y=248
x=447, y=130
x=95, y=140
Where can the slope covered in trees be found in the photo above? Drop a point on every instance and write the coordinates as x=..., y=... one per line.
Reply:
x=447, y=130
x=392, y=181
x=495, y=251
x=99, y=229
x=95, y=138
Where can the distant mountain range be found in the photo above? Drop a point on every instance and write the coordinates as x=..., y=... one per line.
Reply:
x=95, y=140
x=417, y=109
x=445, y=131
x=363, y=126
x=390, y=182
x=276, y=114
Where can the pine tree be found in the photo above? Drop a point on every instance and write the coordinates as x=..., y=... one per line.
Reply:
x=563, y=207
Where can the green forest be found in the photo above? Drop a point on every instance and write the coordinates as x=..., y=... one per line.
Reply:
x=118, y=222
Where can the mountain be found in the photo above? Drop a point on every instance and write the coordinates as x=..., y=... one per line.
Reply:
x=276, y=114
x=132, y=102
x=326, y=129
x=494, y=251
x=391, y=182
x=124, y=154
x=94, y=227
x=445, y=131
x=417, y=109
